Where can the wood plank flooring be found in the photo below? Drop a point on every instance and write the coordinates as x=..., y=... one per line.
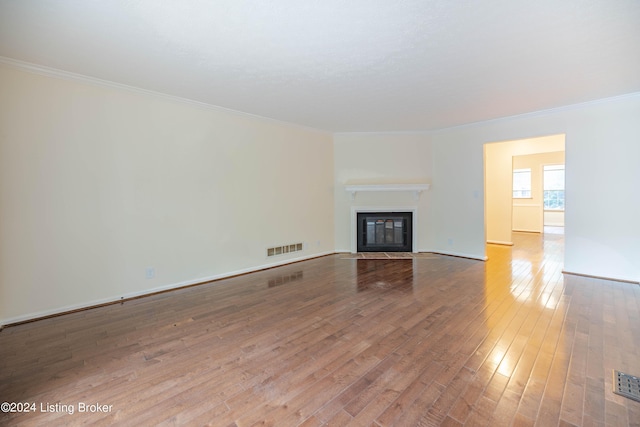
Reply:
x=426, y=341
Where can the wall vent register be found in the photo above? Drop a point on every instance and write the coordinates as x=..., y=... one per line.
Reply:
x=384, y=232
x=626, y=385
x=285, y=249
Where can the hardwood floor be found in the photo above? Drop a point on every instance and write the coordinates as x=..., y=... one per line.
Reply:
x=433, y=340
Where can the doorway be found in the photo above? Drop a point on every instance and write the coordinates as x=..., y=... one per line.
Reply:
x=505, y=213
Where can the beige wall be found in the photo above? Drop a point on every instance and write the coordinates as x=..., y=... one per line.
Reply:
x=528, y=214
x=554, y=218
x=97, y=184
x=381, y=159
x=498, y=177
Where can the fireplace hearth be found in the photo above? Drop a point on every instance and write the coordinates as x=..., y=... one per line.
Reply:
x=384, y=231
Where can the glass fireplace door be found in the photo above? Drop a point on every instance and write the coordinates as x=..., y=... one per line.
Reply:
x=384, y=232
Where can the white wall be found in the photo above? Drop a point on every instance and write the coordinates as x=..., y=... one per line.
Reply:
x=381, y=159
x=99, y=183
x=457, y=197
x=602, y=235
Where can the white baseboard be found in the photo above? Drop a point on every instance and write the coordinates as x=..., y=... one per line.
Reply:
x=498, y=242
x=115, y=299
x=460, y=255
x=615, y=279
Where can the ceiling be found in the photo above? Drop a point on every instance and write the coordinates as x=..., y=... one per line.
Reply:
x=341, y=66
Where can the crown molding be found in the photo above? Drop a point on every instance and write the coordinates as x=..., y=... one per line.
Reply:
x=530, y=114
x=545, y=112
x=68, y=75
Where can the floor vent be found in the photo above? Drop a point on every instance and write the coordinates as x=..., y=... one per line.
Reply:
x=626, y=385
x=285, y=249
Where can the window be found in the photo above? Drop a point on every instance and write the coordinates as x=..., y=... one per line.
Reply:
x=522, y=183
x=554, y=187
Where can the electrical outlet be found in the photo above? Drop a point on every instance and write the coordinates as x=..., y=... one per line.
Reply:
x=150, y=272
x=450, y=241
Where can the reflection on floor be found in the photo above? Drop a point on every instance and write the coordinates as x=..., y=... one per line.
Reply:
x=388, y=255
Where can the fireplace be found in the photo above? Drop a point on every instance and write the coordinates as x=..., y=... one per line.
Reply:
x=384, y=231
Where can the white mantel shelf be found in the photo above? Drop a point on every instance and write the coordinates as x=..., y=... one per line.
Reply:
x=415, y=188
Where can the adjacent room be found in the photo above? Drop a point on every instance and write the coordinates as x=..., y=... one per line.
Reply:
x=317, y=213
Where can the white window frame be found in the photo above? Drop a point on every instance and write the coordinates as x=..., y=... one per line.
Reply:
x=544, y=189
x=524, y=190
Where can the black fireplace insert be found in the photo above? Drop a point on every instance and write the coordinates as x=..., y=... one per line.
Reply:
x=385, y=231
